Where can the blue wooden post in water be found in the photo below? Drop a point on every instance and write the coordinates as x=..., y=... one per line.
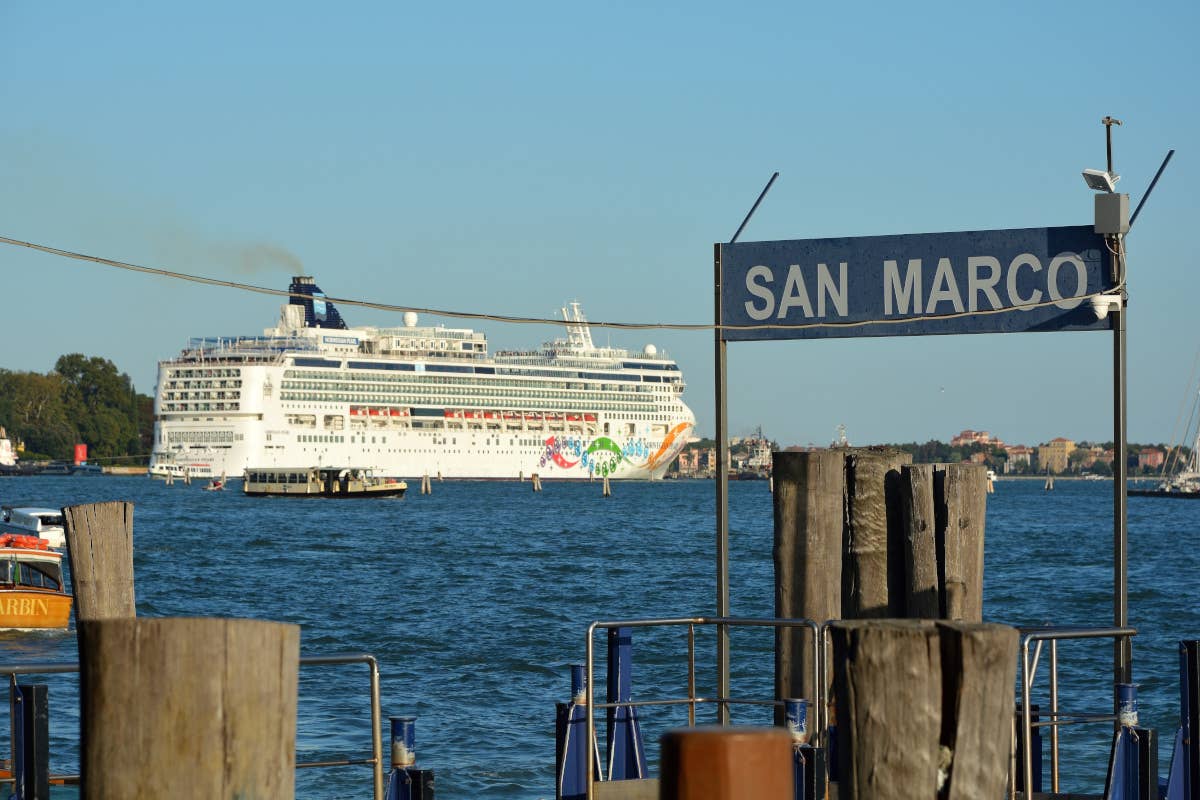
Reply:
x=1133, y=764
x=626, y=756
x=406, y=781
x=31, y=741
x=571, y=741
x=1184, y=777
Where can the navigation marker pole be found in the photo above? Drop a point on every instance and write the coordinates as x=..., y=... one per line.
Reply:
x=722, y=477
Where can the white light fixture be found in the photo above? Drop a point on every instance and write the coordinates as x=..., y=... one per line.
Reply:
x=1100, y=180
x=1103, y=303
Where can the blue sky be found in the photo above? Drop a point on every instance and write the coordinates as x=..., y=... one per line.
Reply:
x=509, y=158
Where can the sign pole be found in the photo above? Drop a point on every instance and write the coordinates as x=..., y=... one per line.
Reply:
x=1122, y=650
x=721, y=478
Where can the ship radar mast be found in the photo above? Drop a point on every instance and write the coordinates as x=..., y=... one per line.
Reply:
x=579, y=335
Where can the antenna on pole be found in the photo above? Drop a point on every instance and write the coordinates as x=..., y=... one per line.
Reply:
x=1108, y=122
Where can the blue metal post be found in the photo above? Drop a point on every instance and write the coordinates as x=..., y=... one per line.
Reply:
x=571, y=741
x=796, y=719
x=406, y=782
x=1184, y=776
x=626, y=755
x=1133, y=765
x=31, y=742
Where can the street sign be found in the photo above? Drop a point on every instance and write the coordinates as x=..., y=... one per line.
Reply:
x=1027, y=279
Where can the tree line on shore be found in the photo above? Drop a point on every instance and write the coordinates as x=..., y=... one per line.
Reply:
x=81, y=401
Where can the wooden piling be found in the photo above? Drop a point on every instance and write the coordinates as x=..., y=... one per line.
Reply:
x=536, y=481
x=962, y=490
x=979, y=670
x=188, y=708
x=607, y=490
x=924, y=708
x=888, y=689
x=100, y=553
x=426, y=486
x=919, y=525
x=808, y=558
x=873, y=569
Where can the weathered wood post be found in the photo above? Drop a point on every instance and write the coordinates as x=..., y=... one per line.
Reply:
x=188, y=708
x=979, y=669
x=919, y=523
x=873, y=568
x=100, y=552
x=808, y=558
x=924, y=708
x=887, y=684
x=961, y=492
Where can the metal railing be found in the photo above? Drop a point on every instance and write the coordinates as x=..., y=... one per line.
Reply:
x=818, y=694
x=375, y=761
x=1052, y=634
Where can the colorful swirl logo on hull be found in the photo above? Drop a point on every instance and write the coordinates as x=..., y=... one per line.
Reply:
x=602, y=456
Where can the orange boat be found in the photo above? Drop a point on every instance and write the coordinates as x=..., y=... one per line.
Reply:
x=31, y=585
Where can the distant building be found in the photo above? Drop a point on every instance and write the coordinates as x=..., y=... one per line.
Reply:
x=1018, y=454
x=1150, y=458
x=1055, y=455
x=975, y=437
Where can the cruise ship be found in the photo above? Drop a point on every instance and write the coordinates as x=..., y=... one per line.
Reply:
x=415, y=401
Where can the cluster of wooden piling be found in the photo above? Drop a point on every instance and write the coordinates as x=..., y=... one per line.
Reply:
x=862, y=534
x=173, y=707
x=885, y=547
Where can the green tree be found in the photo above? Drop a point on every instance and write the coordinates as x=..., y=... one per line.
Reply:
x=31, y=408
x=103, y=403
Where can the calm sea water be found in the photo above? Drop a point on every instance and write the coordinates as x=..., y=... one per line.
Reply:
x=475, y=600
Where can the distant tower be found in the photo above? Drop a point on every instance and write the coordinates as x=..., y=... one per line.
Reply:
x=841, y=440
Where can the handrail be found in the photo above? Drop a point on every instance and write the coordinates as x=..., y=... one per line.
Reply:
x=376, y=759
x=1053, y=635
x=691, y=700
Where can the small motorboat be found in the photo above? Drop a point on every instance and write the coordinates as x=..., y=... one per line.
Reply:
x=40, y=523
x=32, y=596
x=216, y=484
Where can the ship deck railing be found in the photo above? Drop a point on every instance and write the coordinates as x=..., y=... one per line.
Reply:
x=374, y=760
x=240, y=345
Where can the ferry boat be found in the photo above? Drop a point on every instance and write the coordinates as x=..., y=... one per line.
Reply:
x=40, y=523
x=414, y=401
x=341, y=482
x=32, y=595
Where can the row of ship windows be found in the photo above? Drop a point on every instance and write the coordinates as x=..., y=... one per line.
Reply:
x=344, y=379
x=202, y=395
x=323, y=393
x=200, y=406
x=203, y=384
x=202, y=436
x=533, y=405
x=336, y=421
x=215, y=372
x=473, y=389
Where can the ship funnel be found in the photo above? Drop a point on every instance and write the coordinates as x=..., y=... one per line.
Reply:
x=318, y=313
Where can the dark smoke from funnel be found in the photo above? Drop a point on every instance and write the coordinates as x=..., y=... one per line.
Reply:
x=253, y=258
